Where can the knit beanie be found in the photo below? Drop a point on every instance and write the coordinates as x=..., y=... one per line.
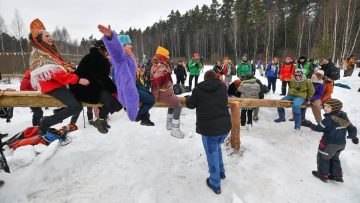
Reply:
x=336, y=105
x=124, y=39
x=299, y=72
x=162, y=51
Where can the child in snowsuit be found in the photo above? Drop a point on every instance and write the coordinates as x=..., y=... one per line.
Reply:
x=334, y=126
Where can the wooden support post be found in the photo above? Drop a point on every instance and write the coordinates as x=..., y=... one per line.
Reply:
x=235, y=125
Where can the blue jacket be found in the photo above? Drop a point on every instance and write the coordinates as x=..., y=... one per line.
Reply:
x=334, y=126
x=272, y=71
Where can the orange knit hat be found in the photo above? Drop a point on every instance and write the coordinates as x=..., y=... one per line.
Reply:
x=162, y=51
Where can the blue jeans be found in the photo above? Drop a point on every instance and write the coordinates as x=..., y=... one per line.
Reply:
x=212, y=146
x=147, y=101
x=297, y=102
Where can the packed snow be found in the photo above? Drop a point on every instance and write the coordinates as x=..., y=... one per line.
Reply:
x=135, y=163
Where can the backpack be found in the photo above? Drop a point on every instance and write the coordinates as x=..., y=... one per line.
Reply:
x=7, y=113
x=334, y=73
x=179, y=89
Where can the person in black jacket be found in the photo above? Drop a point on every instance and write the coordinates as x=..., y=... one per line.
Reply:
x=335, y=125
x=96, y=68
x=180, y=73
x=213, y=122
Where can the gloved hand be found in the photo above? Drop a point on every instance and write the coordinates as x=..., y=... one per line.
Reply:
x=307, y=123
x=355, y=140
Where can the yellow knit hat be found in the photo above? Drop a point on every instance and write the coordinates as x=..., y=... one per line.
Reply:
x=162, y=51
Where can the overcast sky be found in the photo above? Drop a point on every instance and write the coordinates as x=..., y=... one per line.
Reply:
x=82, y=17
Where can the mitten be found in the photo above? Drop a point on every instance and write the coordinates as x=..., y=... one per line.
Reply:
x=355, y=140
x=307, y=123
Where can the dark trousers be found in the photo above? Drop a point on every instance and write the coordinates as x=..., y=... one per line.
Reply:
x=37, y=114
x=73, y=107
x=190, y=80
x=328, y=161
x=89, y=114
x=147, y=101
x=272, y=83
x=283, y=87
x=180, y=79
x=249, y=113
x=110, y=105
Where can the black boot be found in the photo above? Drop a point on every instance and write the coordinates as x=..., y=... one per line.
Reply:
x=147, y=122
x=323, y=178
x=216, y=190
x=336, y=178
x=100, y=125
x=107, y=125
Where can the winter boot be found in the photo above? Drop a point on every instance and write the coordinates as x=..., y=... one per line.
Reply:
x=91, y=122
x=297, y=118
x=43, y=125
x=281, y=118
x=336, y=178
x=169, y=121
x=323, y=178
x=147, y=122
x=100, y=125
x=175, y=129
x=213, y=188
x=107, y=125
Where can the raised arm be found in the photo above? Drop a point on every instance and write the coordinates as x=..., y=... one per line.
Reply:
x=112, y=44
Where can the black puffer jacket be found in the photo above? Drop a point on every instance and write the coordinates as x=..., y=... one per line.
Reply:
x=212, y=115
x=96, y=68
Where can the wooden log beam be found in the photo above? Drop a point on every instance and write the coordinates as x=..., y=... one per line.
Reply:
x=15, y=75
x=37, y=99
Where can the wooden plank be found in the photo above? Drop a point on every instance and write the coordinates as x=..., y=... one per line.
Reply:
x=15, y=75
x=37, y=99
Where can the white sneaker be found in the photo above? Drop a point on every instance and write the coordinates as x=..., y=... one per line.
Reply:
x=243, y=127
x=175, y=130
x=168, y=121
x=249, y=127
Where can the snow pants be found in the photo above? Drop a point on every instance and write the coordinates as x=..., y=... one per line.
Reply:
x=328, y=161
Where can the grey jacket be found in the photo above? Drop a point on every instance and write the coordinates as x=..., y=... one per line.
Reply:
x=249, y=89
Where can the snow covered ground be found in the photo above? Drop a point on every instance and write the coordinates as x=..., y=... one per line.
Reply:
x=134, y=163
